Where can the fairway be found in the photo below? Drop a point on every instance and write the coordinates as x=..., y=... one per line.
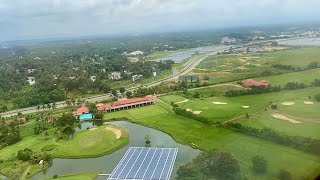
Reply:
x=82, y=176
x=243, y=147
x=233, y=105
x=265, y=120
x=306, y=77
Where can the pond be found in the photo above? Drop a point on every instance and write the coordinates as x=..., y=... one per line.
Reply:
x=181, y=56
x=302, y=42
x=107, y=163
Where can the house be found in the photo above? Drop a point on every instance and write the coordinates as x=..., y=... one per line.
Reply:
x=30, y=71
x=115, y=75
x=254, y=83
x=21, y=120
x=136, y=53
x=71, y=77
x=93, y=78
x=126, y=104
x=137, y=77
x=31, y=80
x=80, y=111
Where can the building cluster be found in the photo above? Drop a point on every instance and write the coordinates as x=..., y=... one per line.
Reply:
x=228, y=40
x=31, y=80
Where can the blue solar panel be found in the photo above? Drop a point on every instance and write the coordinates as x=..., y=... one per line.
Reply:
x=145, y=163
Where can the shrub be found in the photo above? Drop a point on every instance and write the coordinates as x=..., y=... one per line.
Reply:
x=259, y=164
x=317, y=97
x=284, y=175
x=274, y=106
x=48, y=147
x=55, y=176
x=24, y=154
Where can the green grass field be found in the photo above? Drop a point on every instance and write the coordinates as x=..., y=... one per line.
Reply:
x=306, y=77
x=86, y=143
x=234, y=108
x=83, y=176
x=243, y=147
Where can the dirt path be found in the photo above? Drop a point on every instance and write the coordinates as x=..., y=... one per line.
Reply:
x=24, y=175
x=117, y=132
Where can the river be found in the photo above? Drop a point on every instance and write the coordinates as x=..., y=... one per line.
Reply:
x=107, y=163
x=301, y=42
x=181, y=56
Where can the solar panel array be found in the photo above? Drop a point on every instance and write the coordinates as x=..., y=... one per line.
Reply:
x=142, y=163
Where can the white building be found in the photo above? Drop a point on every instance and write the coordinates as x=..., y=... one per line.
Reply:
x=31, y=80
x=93, y=78
x=31, y=71
x=227, y=40
x=115, y=75
x=137, y=77
x=136, y=53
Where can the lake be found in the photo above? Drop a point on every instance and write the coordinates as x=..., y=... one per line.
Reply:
x=107, y=163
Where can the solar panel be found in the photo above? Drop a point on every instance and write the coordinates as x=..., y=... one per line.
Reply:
x=142, y=163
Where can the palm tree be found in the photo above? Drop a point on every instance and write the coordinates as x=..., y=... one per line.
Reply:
x=48, y=106
x=43, y=106
x=38, y=107
x=54, y=105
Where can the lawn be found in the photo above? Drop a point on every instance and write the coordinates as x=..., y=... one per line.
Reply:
x=90, y=143
x=265, y=120
x=138, y=113
x=233, y=108
x=83, y=176
x=243, y=147
x=306, y=77
x=86, y=143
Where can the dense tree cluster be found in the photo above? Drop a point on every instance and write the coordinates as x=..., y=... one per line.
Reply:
x=299, y=142
x=65, y=125
x=316, y=82
x=152, y=90
x=295, y=85
x=210, y=163
x=9, y=133
x=283, y=66
x=253, y=90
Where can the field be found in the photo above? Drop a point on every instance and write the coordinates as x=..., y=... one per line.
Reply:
x=306, y=77
x=233, y=107
x=86, y=143
x=188, y=131
x=236, y=67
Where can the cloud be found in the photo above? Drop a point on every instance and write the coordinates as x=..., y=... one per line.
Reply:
x=39, y=18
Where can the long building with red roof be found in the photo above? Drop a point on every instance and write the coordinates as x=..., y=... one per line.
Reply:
x=126, y=104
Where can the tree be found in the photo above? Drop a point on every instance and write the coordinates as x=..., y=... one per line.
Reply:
x=24, y=154
x=43, y=106
x=313, y=65
x=274, y=106
x=196, y=94
x=285, y=175
x=259, y=164
x=317, y=97
x=49, y=106
x=147, y=140
x=274, y=43
x=54, y=105
x=129, y=94
x=38, y=107
x=247, y=116
x=190, y=171
x=122, y=90
x=114, y=93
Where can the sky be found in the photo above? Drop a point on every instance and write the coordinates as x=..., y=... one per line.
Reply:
x=31, y=19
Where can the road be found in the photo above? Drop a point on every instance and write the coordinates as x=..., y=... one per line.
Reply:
x=188, y=66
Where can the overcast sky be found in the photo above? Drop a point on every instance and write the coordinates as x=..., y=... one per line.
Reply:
x=27, y=19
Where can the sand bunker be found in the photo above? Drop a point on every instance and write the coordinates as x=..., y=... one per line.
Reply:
x=308, y=102
x=117, y=132
x=184, y=101
x=282, y=117
x=288, y=103
x=219, y=103
x=246, y=107
x=196, y=112
x=193, y=112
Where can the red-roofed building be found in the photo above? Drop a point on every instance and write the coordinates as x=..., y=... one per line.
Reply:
x=20, y=120
x=126, y=104
x=254, y=83
x=80, y=111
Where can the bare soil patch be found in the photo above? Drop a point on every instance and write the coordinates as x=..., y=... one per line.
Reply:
x=219, y=103
x=282, y=117
x=184, y=101
x=308, y=102
x=288, y=103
